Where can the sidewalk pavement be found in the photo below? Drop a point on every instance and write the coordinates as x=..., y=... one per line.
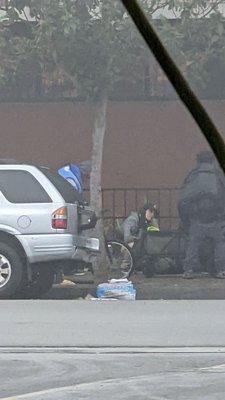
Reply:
x=156, y=288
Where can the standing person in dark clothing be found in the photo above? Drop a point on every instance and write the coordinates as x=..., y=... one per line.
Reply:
x=202, y=212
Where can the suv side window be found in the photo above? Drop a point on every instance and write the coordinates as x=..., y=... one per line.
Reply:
x=22, y=187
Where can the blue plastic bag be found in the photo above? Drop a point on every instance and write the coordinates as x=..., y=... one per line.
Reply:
x=117, y=289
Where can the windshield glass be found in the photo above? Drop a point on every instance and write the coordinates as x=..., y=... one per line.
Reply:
x=101, y=112
x=81, y=92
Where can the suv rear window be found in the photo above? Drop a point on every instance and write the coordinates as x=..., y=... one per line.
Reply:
x=66, y=190
x=22, y=187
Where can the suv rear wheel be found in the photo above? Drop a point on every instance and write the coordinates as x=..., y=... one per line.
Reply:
x=11, y=270
x=43, y=275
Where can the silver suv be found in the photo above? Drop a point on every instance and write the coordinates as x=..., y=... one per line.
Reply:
x=41, y=223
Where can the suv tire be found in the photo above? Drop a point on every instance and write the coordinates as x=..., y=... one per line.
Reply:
x=11, y=270
x=42, y=280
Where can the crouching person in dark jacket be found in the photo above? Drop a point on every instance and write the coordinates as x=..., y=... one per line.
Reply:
x=136, y=225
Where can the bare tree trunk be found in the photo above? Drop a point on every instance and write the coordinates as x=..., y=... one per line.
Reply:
x=102, y=265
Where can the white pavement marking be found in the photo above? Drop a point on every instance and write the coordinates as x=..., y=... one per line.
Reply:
x=216, y=368
x=88, y=385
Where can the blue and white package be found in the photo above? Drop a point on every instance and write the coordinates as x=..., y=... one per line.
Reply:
x=117, y=289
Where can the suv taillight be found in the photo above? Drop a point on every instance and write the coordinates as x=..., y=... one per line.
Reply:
x=59, y=218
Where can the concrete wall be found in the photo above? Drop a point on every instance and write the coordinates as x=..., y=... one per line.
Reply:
x=147, y=143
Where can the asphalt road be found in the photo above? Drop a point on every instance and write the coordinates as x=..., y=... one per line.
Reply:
x=59, y=376
x=111, y=323
x=54, y=349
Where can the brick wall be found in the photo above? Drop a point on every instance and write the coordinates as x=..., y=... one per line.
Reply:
x=147, y=144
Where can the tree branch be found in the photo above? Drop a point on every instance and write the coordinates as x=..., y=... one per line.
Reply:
x=158, y=7
x=25, y=15
x=62, y=68
x=212, y=8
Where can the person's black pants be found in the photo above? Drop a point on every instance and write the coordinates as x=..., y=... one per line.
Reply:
x=200, y=232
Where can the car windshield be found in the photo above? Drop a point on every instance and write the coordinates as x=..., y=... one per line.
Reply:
x=112, y=299
x=80, y=91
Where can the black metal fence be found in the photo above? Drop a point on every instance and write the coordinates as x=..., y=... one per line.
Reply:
x=119, y=202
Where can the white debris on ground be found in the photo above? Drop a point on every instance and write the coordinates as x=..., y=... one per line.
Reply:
x=67, y=283
x=113, y=290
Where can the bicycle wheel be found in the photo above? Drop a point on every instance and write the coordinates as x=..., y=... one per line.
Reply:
x=121, y=260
